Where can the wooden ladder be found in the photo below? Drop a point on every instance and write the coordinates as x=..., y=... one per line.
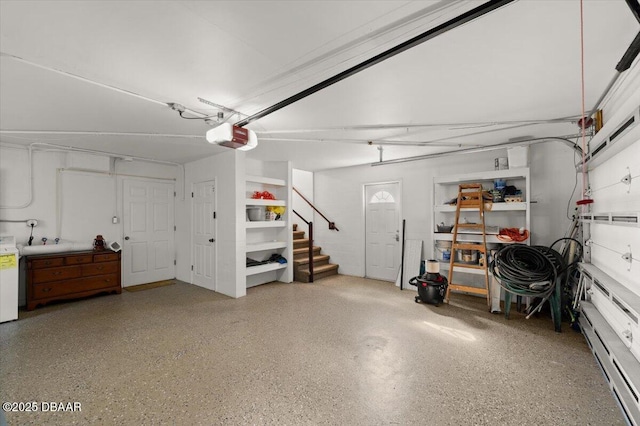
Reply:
x=469, y=197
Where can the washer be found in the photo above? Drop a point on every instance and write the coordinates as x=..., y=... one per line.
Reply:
x=8, y=279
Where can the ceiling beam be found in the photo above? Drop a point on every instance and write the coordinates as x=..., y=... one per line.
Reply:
x=635, y=8
x=419, y=39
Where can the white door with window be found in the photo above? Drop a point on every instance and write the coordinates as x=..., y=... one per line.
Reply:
x=382, y=231
x=204, y=234
x=148, y=216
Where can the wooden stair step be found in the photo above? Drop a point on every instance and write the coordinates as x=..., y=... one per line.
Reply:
x=319, y=272
x=317, y=260
x=297, y=235
x=322, y=268
x=304, y=251
x=302, y=242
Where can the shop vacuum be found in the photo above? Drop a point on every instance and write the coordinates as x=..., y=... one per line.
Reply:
x=431, y=285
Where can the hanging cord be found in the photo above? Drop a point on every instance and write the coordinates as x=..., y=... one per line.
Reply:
x=583, y=120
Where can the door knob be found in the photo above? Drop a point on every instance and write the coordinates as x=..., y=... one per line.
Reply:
x=126, y=238
x=397, y=237
x=212, y=240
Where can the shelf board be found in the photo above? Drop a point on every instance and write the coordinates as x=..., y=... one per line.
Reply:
x=519, y=173
x=266, y=224
x=444, y=266
x=261, y=202
x=266, y=180
x=253, y=270
x=267, y=245
x=489, y=207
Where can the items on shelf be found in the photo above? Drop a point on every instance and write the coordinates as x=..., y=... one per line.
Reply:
x=275, y=258
x=444, y=228
x=275, y=212
x=509, y=235
x=261, y=214
x=263, y=195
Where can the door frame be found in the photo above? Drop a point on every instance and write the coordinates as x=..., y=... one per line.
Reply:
x=363, y=227
x=121, y=208
x=192, y=230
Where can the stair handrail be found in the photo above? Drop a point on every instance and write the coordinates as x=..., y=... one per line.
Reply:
x=332, y=225
x=310, y=225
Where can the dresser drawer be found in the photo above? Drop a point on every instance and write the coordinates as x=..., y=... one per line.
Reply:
x=47, y=263
x=105, y=257
x=77, y=260
x=63, y=288
x=100, y=268
x=56, y=274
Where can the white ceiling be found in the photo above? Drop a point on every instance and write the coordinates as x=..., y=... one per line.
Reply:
x=98, y=74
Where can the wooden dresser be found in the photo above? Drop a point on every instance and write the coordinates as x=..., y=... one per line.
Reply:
x=71, y=275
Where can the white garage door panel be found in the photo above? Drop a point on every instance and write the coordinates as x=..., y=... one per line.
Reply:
x=610, y=242
x=609, y=194
x=616, y=318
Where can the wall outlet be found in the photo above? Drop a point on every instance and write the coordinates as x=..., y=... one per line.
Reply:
x=32, y=222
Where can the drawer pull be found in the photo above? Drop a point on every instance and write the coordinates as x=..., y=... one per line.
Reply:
x=46, y=290
x=100, y=268
x=47, y=262
x=57, y=273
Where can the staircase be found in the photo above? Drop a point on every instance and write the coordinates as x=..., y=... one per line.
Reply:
x=321, y=266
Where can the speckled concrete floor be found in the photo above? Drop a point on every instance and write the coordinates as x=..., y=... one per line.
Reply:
x=343, y=351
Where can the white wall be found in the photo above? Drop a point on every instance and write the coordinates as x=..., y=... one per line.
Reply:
x=72, y=205
x=339, y=193
x=86, y=201
x=228, y=170
x=303, y=182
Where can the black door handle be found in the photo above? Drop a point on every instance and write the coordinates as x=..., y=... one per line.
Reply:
x=126, y=238
x=212, y=240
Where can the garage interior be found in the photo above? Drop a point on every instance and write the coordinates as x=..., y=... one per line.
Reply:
x=183, y=147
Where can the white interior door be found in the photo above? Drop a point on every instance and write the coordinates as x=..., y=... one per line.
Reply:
x=148, y=216
x=382, y=228
x=204, y=234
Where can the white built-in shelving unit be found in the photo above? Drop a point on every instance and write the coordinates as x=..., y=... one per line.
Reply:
x=267, y=237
